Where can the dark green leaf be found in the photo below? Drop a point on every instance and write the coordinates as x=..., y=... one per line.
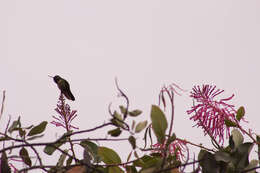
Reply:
x=131, y=169
x=140, y=126
x=231, y=142
x=135, y=113
x=62, y=159
x=159, y=123
x=25, y=157
x=230, y=123
x=222, y=156
x=5, y=168
x=38, y=129
x=208, y=163
x=15, y=125
x=69, y=161
x=122, y=109
x=117, y=120
x=240, y=113
x=115, y=169
x=132, y=141
x=92, y=148
x=237, y=137
x=115, y=132
x=21, y=132
x=133, y=125
x=35, y=137
x=240, y=156
x=49, y=149
x=108, y=155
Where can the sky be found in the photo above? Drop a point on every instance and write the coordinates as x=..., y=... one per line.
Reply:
x=145, y=44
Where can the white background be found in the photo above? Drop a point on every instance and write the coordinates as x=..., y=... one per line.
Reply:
x=145, y=44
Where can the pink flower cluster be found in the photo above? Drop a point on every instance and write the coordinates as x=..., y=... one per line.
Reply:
x=210, y=114
x=65, y=115
x=177, y=147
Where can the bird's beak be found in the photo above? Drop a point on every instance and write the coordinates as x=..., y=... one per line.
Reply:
x=50, y=76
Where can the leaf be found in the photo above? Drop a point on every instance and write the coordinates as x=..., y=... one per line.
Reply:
x=35, y=137
x=240, y=157
x=4, y=167
x=115, y=132
x=208, y=163
x=25, y=157
x=62, y=159
x=117, y=120
x=108, y=155
x=222, y=156
x=38, y=129
x=122, y=109
x=130, y=169
x=115, y=169
x=140, y=126
x=15, y=125
x=92, y=148
x=240, y=113
x=230, y=123
x=252, y=164
x=132, y=141
x=133, y=125
x=159, y=123
x=21, y=132
x=69, y=161
x=135, y=113
x=49, y=149
x=237, y=137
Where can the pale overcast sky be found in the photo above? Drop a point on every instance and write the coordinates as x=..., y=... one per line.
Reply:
x=144, y=43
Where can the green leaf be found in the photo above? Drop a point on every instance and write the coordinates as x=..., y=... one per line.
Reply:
x=222, y=156
x=208, y=163
x=21, y=132
x=240, y=157
x=108, y=155
x=159, y=123
x=35, y=137
x=117, y=120
x=38, y=129
x=115, y=169
x=15, y=125
x=115, y=132
x=133, y=125
x=131, y=169
x=230, y=123
x=25, y=157
x=4, y=167
x=69, y=161
x=49, y=149
x=62, y=159
x=135, y=113
x=92, y=149
x=122, y=109
x=132, y=141
x=237, y=137
x=140, y=126
x=240, y=113
x=252, y=164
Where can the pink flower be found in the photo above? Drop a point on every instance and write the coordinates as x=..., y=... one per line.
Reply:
x=211, y=114
x=177, y=147
x=65, y=115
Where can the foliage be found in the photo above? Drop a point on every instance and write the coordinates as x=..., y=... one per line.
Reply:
x=169, y=154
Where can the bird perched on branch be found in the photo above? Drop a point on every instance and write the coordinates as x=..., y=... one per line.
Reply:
x=64, y=87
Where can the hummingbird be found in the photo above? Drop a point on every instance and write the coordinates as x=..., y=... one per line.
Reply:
x=64, y=87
